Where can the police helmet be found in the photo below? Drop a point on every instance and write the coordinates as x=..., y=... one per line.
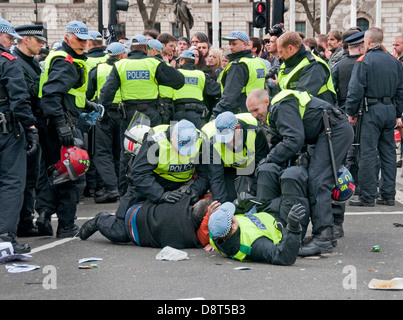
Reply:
x=346, y=188
x=134, y=138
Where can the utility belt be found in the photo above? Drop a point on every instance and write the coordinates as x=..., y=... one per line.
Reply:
x=196, y=107
x=372, y=101
x=8, y=123
x=71, y=121
x=140, y=107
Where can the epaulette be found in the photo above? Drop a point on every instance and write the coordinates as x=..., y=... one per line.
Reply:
x=9, y=56
x=361, y=58
x=69, y=58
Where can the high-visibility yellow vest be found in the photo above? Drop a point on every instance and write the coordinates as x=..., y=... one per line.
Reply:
x=172, y=165
x=284, y=79
x=194, y=85
x=257, y=74
x=94, y=61
x=137, y=78
x=252, y=227
x=232, y=159
x=303, y=98
x=103, y=72
x=78, y=93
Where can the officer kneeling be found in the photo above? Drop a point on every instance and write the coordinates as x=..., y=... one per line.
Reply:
x=255, y=236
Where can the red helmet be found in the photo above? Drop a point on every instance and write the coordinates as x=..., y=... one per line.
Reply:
x=74, y=162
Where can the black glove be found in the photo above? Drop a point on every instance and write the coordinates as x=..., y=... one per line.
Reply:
x=194, y=197
x=32, y=140
x=65, y=134
x=296, y=214
x=171, y=196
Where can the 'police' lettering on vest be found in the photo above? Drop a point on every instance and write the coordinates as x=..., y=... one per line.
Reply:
x=138, y=75
x=192, y=80
x=256, y=221
x=180, y=167
x=260, y=73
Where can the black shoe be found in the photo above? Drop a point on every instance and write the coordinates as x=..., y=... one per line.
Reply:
x=360, y=203
x=90, y=227
x=109, y=196
x=26, y=228
x=320, y=243
x=18, y=248
x=338, y=231
x=67, y=232
x=385, y=202
x=44, y=224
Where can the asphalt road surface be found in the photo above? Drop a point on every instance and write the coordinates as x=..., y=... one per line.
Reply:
x=131, y=272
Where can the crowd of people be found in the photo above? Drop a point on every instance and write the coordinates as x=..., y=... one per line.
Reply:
x=235, y=150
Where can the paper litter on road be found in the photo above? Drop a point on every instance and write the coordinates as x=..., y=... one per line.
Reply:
x=18, y=268
x=171, y=254
x=89, y=259
x=393, y=284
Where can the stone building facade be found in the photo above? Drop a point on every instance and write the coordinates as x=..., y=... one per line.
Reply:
x=233, y=15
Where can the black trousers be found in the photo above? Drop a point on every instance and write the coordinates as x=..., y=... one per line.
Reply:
x=377, y=138
x=63, y=198
x=320, y=173
x=12, y=180
x=107, y=149
x=280, y=188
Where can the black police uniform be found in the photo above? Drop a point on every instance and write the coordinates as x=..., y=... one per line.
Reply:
x=32, y=70
x=192, y=109
x=311, y=78
x=377, y=78
x=16, y=115
x=285, y=118
x=166, y=76
x=145, y=184
x=234, y=81
x=223, y=180
x=57, y=107
x=107, y=142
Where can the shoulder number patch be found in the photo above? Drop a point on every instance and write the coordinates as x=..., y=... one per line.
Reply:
x=361, y=58
x=69, y=58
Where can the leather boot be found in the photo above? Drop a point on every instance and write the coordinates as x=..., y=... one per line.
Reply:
x=26, y=228
x=320, y=243
x=67, y=232
x=90, y=227
x=108, y=196
x=44, y=224
x=18, y=248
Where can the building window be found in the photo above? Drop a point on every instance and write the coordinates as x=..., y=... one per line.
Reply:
x=175, y=30
x=300, y=27
x=363, y=24
x=39, y=1
x=120, y=30
x=210, y=33
x=78, y=1
x=4, y=1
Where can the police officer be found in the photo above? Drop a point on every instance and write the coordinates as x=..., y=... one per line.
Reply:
x=155, y=48
x=107, y=134
x=341, y=73
x=302, y=70
x=62, y=91
x=237, y=144
x=256, y=236
x=27, y=48
x=138, y=77
x=298, y=119
x=166, y=161
x=189, y=100
x=95, y=51
x=377, y=79
x=243, y=74
x=15, y=118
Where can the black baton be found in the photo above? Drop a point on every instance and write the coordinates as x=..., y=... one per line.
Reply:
x=328, y=132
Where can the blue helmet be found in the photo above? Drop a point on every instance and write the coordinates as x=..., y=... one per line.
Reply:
x=346, y=187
